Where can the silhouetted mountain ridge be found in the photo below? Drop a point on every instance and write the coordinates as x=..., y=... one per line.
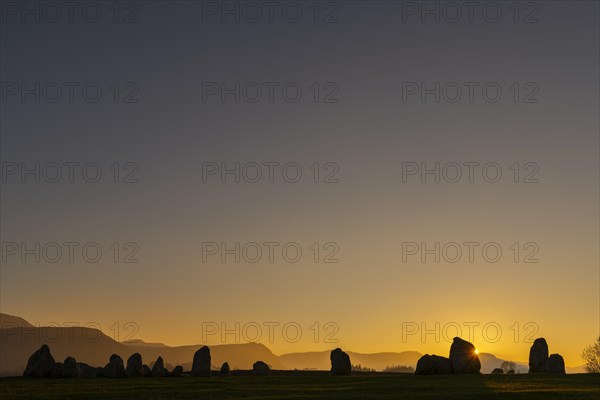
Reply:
x=19, y=339
x=11, y=321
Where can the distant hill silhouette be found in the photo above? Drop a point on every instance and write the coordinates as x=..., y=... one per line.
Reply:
x=140, y=342
x=93, y=347
x=19, y=339
x=11, y=321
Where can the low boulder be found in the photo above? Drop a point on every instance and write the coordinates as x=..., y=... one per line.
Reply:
x=433, y=365
x=225, y=371
x=57, y=370
x=556, y=364
x=340, y=362
x=177, y=372
x=498, y=371
x=40, y=364
x=87, y=371
x=146, y=371
x=70, y=368
x=261, y=368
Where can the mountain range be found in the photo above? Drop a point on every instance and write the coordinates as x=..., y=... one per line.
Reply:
x=19, y=339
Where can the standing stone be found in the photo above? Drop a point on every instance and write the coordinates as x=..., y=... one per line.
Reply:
x=146, y=371
x=201, y=363
x=433, y=365
x=498, y=371
x=556, y=364
x=135, y=368
x=40, y=363
x=340, y=362
x=70, y=368
x=225, y=371
x=177, y=372
x=538, y=356
x=261, y=368
x=114, y=368
x=158, y=369
x=510, y=371
x=463, y=357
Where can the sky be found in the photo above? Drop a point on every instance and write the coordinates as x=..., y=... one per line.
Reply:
x=307, y=175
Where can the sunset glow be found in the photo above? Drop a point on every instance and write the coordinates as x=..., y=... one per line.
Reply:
x=386, y=178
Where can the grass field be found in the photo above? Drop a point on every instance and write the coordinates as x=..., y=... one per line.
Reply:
x=372, y=387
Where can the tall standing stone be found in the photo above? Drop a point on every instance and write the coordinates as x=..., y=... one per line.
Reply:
x=201, y=363
x=40, y=364
x=463, y=358
x=114, y=368
x=340, y=362
x=135, y=367
x=538, y=356
x=158, y=369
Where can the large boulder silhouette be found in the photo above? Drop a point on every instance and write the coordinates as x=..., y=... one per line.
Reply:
x=87, y=371
x=261, y=368
x=114, y=368
x=225, y=371
x=158, y=369
x=556, y=364
x=201, y=363
x=463, y=358
x=70, y=368
x=40, y=364
x=433, y=365
x=135, y=367
x=57, y=370
x=340, y=362
x=538, y=356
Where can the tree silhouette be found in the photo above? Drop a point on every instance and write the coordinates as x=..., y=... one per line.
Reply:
x=399, y=368
x=591, y=355
x=360, y=368
x=508, y=365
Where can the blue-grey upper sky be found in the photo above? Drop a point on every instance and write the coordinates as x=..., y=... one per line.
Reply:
x=371, y=102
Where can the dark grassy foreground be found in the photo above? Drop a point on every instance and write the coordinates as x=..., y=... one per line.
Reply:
x=372, y=387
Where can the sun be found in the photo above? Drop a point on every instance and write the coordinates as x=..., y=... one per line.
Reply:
x=476, y=351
